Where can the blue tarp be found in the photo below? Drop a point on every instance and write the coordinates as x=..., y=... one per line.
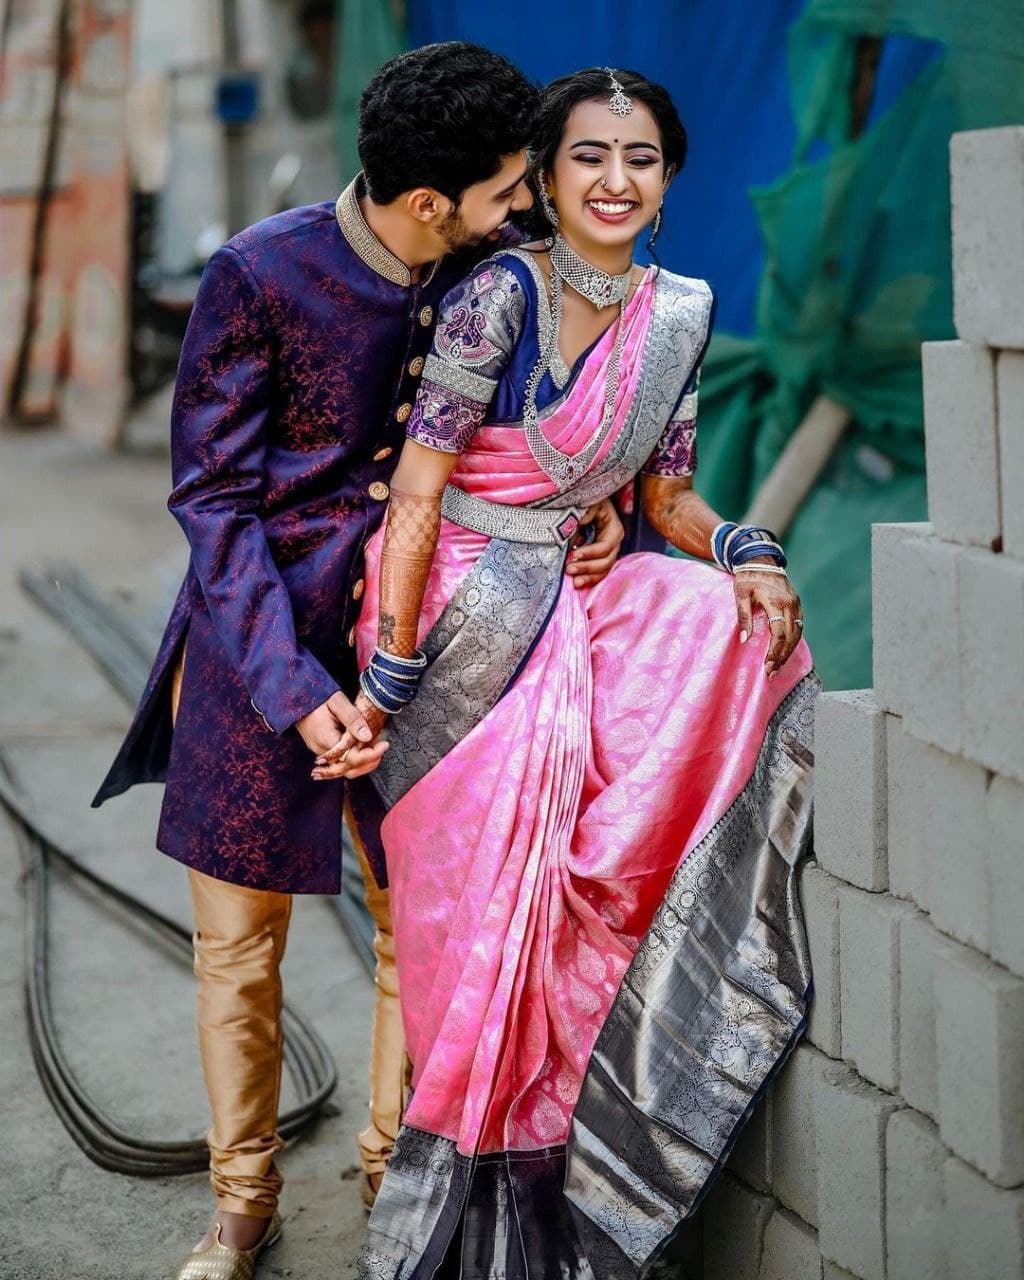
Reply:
x=726, y=68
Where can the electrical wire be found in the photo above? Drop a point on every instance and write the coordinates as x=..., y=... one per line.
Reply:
x=306, y=1056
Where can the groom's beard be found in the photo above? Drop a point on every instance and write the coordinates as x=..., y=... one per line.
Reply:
x=456, y=235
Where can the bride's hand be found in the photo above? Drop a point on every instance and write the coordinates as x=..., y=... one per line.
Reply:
x=593, y=561
x=775, y=595
x=350, y=758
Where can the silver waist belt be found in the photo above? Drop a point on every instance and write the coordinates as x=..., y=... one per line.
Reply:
x=514, y=524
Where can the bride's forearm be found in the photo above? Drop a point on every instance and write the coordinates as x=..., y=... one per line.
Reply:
x=680, y=515
x=410, y=540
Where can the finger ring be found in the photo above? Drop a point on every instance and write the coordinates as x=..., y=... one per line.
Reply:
x=778, y=618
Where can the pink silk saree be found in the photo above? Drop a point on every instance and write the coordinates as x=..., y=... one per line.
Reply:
x=533, y=860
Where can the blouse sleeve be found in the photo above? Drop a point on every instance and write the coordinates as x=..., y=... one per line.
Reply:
x=477, y=329
x=675, y=454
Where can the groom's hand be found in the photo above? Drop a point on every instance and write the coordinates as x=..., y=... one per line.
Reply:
x=350, y=757
x=326, y=726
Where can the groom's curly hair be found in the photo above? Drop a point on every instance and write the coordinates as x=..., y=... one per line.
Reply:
x=443, y=116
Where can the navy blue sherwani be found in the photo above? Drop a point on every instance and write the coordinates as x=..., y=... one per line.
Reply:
x=298, y=371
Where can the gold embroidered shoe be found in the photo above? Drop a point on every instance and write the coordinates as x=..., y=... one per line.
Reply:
x=220, y=1262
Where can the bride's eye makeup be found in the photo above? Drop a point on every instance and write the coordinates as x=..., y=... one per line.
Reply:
x=645, y=154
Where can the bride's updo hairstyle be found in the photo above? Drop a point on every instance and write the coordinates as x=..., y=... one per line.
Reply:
x=594, y=85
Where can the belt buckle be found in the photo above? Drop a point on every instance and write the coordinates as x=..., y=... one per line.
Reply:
x=568, y=525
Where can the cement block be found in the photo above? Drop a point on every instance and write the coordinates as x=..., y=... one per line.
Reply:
x=939, y=836
x=850, y=1120
x=920, y=947
x=794, y=1150
x=979, y=1036
x=818, y=897
x=991, y=614
x=790, y=1249
x=985, y=1226
x=1010, y=413
x=850, y=828
x=734, y=1225
x=961, y=447
x=916, y=641
x=914, y=1191
x=869, y=968
x=909, y=859
x=987, y=170
x=1005, y=802
x=751, y=1158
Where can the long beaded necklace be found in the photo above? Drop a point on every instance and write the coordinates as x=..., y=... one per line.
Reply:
x=602, y=290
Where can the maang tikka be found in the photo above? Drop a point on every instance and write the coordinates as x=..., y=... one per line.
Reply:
x=619, y=104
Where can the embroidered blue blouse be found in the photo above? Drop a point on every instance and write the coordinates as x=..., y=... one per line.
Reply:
x=489, y=337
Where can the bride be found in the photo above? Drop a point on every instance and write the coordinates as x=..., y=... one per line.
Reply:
x=593, y=801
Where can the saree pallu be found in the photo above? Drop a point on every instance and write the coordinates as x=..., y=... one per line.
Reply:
x=601, y=958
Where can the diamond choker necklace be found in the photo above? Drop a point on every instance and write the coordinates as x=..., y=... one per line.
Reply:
x=597, y=286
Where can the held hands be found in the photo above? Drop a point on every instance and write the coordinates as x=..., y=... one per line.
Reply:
x=349, y=757
x=775, y=595
x=592, y=562
x=336, y=723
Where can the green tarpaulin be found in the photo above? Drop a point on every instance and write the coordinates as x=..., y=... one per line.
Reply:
x=857, y=276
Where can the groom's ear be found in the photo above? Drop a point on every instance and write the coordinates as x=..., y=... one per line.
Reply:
x=425, y=204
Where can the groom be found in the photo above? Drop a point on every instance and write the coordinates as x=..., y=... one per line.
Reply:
x=298, y=372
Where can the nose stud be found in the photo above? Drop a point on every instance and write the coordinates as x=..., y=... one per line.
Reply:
x=604, y=183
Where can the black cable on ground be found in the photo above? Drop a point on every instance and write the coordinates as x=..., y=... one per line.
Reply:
x=307, y=1057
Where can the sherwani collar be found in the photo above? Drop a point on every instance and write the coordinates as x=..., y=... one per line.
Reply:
x=365, y=244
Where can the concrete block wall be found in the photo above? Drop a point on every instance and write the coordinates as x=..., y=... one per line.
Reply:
x=891, y=1145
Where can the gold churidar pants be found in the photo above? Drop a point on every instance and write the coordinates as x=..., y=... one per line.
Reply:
x=239, y=942
x=387, y=1047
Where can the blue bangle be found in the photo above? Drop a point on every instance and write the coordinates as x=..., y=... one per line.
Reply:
x=401, y=668
x=751, y=551
x=391, y=682
x=382, y=698
x=718, y=538
x=735, y=544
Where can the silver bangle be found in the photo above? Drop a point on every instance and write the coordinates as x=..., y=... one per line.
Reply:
x=761, y=568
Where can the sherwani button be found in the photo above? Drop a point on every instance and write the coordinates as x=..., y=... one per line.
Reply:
x=381, y=454
x=403, y=411
x=416, y=366
x=379, y=490
x=426, y=316
x=358, y=589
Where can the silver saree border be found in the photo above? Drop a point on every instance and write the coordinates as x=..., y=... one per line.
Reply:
x=489, y=627
x=710, y=1008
